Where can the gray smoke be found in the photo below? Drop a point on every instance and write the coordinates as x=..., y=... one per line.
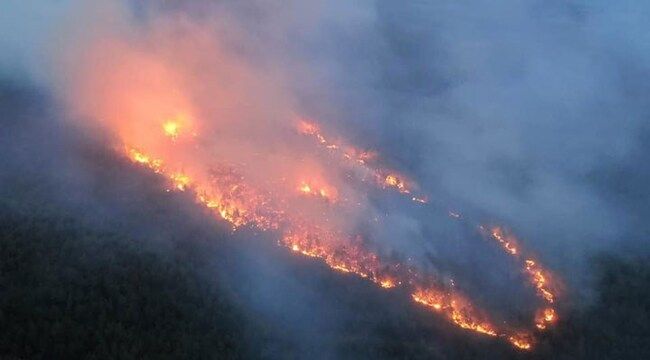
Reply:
x=530, y=114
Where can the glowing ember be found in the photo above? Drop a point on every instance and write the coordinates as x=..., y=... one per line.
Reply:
x=307, y=128
x=456, y=308
x=387, y=283
x=545, y=318
x=362, y=157
x=305, y=188
x=141, y=158
x=537, y=277
x=395, y=182
x=506, y=242
x=383, y=177
x=549, y=315
x=180, y=180
x=325, y=192
x=171, y=129
x=522, y=342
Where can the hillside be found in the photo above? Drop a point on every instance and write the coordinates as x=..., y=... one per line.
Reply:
x=94, y=265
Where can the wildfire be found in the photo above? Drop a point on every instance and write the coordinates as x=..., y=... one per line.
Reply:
x=173, y=126
x=521, y=341
x=244, y=172
x=507, y=243
x=457, y=309
x=536, y=273
x=361, y=159
x=171, y=129
x=141, y=158
x=348, y=259
x=393, y=181
x=313, y=241
x=537, y=277
x=387, y=283
x=307, y=128
x=226, y=193
x=325, y=192
x=180, y=180
x=544, y=318
x=355, y=259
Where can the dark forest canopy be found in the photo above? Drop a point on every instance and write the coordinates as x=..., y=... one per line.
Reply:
x=70, y=292
x=99, y=266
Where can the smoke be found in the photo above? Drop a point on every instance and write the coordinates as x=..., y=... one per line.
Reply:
x=530, y=115
x=519, y=112
x=531, y=100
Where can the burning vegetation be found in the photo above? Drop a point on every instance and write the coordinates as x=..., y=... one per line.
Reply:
x=538, y=276
x=281, y=175
x=231, y=198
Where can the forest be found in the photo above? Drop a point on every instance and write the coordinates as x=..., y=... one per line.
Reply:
x=97, y=266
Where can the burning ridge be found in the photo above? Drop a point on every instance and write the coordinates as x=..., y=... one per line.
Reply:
x=365, y=161
x=220, y=188
x=538, y=276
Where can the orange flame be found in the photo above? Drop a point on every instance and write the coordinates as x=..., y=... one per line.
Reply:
x=180, y=180
x=521, y=341
x=171, y=129
x=384, y=178
x=232, y=200
x=146, y=100
x=457, y=309
x=536, y=274
x=226, y=198
x=507, y=243
x=545, y=317
x=226, y=193
x=393, y=181
x=141, y=158
x=326, y=192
